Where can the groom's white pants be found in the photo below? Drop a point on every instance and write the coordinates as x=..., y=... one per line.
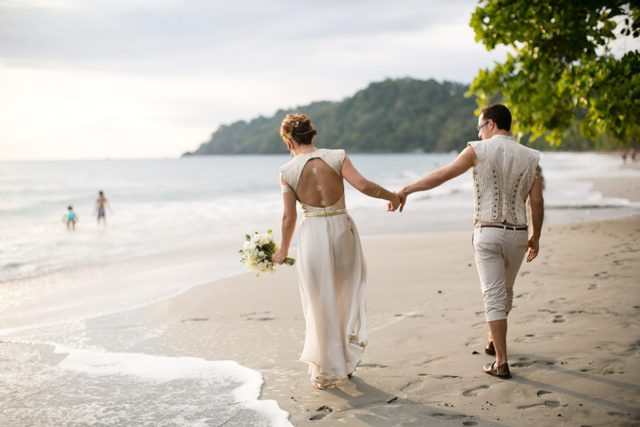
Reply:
x=498, y=254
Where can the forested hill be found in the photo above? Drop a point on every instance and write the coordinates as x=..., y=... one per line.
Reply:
x=390, y=116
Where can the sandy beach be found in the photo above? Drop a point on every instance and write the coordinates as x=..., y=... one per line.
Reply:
x=573, y=337
x=573, y=342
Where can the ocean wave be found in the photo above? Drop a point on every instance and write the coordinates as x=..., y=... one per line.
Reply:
x=54, y=385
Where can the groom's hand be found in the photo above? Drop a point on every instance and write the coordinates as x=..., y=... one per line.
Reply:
x=534, y=248
x=403, y=199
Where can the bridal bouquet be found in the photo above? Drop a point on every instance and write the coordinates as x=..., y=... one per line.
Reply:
x=257, y=251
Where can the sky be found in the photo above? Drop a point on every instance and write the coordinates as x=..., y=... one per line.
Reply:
x=96, y=79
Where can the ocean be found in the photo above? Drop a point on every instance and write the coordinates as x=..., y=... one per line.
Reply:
x=174, y=224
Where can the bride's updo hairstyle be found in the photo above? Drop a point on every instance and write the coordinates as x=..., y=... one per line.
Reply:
x=298, y=127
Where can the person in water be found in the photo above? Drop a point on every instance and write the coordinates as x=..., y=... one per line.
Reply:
x=70, y=218
x=101, y=204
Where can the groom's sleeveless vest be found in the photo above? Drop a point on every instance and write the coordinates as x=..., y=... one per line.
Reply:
x=502, y=179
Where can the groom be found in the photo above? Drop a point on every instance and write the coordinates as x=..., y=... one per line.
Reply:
x=505, y=175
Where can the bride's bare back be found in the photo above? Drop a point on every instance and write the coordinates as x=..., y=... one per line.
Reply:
x=319, y=185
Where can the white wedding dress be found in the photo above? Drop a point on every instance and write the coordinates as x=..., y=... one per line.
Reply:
x=331, y=267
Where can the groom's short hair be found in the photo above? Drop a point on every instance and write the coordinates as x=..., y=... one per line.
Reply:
x=499, y=114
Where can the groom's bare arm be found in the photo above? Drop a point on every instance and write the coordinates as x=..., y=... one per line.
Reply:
x=536, y=202
x=464, y=161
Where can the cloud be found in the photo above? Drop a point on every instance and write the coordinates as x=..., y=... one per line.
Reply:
x=131, y=78
x=143, y=36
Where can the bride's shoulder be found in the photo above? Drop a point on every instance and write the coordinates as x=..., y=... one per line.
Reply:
x=288, y=164
x=333, y=152
x=285, y=170
x=337, y=155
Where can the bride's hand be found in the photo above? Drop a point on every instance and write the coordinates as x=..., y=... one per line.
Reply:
x=279, y=256
x=394, y=203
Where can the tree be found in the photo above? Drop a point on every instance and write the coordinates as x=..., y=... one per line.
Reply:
x=561, y=68
x=403, y=115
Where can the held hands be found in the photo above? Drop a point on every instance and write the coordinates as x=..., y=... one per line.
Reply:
x=398, y=202
x=534, y=247
x=403, y=199
x=394, y=203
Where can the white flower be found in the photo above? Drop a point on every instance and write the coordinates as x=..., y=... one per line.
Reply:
x=257, y=251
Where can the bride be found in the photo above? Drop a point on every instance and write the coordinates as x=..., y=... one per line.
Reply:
x=331, y=267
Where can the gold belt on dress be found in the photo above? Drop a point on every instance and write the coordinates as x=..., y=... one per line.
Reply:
x=325, y=213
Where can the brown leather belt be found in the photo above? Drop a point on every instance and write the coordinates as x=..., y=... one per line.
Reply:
x=504, y=227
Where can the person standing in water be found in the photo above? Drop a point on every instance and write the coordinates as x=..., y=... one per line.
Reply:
x=70, y=218
x=101, y=205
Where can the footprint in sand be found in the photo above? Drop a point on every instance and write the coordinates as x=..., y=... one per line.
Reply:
x=455, y=417
x=195, y=319
x=410, y=385
x=472, y=392
x=635, y=346
x=435, y=359
x=472, y=341
x=524, y=363
x=322, y=412
x=372, y=365
x=249, y=316
x=525, y=338
x=547, y=403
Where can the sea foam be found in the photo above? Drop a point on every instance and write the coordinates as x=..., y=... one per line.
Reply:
x=93, y=386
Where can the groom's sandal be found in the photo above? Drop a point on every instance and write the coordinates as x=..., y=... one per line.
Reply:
x=489, y=349
x=501, y=371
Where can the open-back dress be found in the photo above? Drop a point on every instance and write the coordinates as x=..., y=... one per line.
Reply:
x=331, y=267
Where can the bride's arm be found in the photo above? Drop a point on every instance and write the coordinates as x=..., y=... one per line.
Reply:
x=288, y=225
x=363, y=185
